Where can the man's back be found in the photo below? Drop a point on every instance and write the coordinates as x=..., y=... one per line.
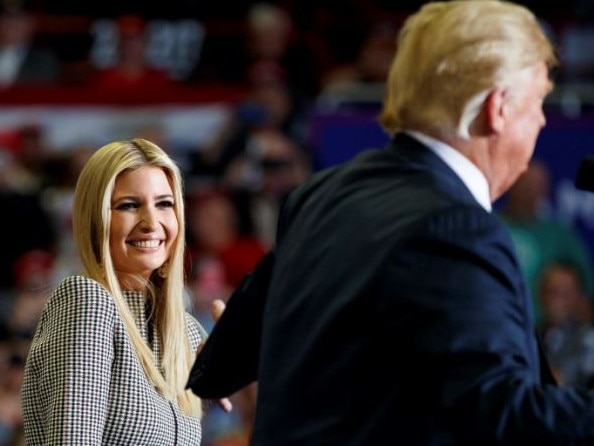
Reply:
x=397, y=312
x=338, y=364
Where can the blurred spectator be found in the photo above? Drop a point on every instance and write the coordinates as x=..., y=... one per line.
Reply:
x=539, y=237
x=34, y=277
x=566, y=328
x=268, y=105
x=271, y=36
x=27, y=156
x=269, y=169
x=132, y=69
x=207, y=282
x=366, y=75
x=23, y=60
x=62, y=171
x=33, y=280
x=13, y=352
x=220, y=257
x=373, y=57
x=268, y=34
x=214, y=236
x=26, y=225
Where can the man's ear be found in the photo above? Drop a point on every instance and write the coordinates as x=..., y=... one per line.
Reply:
x=494, y=108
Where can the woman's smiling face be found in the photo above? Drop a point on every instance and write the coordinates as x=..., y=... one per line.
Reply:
x=143, y=224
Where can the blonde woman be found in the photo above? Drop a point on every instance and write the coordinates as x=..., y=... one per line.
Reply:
x=111, y=354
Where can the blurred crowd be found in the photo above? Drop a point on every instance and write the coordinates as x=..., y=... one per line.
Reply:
x=312, y=45
x=287, y=59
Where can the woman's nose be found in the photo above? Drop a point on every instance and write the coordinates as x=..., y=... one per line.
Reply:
x=148, y=220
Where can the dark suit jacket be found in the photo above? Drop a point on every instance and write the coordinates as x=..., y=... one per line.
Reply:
x=396, y=313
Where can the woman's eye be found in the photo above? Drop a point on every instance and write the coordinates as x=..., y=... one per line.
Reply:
x=126, y=206
x=165, y=204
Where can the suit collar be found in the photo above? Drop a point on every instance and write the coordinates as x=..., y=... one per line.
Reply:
x=446, y=165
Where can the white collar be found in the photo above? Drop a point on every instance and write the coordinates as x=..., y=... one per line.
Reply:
x=470, y=174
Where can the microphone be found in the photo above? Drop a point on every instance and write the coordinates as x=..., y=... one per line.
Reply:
x=584, y=180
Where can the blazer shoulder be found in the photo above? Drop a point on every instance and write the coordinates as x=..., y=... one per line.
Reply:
x=82, y=293
x=475, y=230
x=81, y=284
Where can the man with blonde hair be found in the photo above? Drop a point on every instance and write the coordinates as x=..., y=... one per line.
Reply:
x=395, y=310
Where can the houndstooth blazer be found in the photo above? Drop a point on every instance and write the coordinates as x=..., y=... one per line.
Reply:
x=83, y=383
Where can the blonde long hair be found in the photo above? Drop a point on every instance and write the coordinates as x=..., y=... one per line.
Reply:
x=91, y=229
x=450, y=55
